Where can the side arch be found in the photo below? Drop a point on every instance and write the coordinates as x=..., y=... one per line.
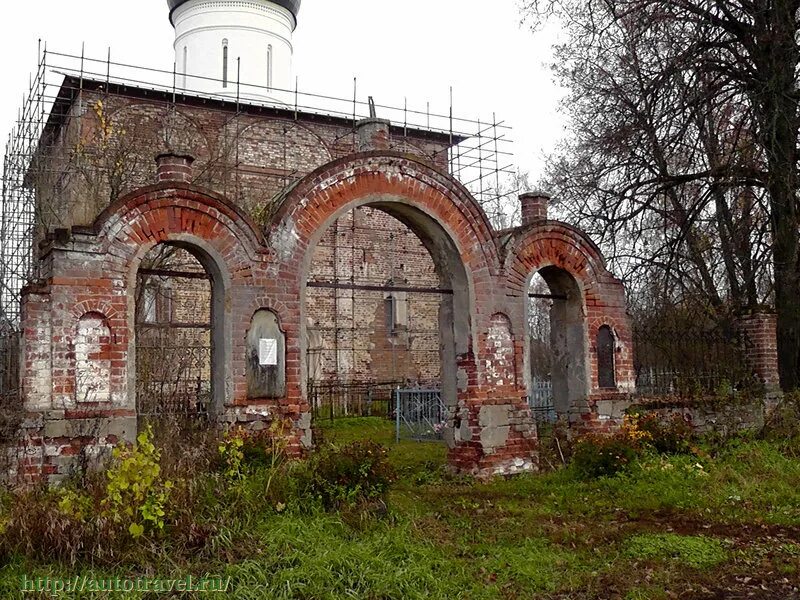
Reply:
x=558, y=245
x=228, y=246
x=154, y=212
x=552, y=247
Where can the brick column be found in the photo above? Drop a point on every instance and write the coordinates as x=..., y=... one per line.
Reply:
x=36, y=366
x=534, y=207
x=373, y=134
x=759, y=327
x=174, y=167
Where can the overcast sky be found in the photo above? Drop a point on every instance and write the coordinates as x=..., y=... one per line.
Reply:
x=413, y=49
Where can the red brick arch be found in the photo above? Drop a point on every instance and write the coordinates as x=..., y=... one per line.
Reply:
x=431, y=203
x=91, y=306
x=551, y=243
x=478, y=383
x=222, y=238
x=559, y=245
x=158, y=213
x=352, y=181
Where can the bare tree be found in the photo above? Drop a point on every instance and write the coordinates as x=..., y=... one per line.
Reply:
x=684, y=159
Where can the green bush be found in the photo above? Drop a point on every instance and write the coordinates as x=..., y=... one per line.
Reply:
x=357, y=473
x=602, y=456
x=136, y=494
x=667, y=435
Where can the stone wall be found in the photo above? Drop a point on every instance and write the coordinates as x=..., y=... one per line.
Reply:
x=104, y=146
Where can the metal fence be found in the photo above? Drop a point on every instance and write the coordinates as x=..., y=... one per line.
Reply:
x=173, y=379
x=685, y=359
x=420, y=414
x=541, y=401
x=9, y=367
x=331, y=400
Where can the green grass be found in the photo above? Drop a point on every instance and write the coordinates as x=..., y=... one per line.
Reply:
x=666, y=525
x=414, y=461
x=698, y=552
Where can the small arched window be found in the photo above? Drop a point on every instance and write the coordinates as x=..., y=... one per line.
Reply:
x=605, y=358
x=225, y=63
x=269, y=66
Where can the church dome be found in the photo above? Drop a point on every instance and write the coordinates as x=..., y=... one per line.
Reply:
x=293, y=6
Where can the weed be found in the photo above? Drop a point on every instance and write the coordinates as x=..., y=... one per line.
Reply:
x=357, y=472
x=135, y=494
x=533, y=536
x=232, y=455
x=667, y=434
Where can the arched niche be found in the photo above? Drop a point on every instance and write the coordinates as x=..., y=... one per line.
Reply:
x=266, y=356
x=93, y=359
x=606, y=346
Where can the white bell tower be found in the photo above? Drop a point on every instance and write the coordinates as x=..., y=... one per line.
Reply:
x=220, y=42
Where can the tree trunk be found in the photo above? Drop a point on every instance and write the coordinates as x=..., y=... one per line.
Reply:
x=777, y=61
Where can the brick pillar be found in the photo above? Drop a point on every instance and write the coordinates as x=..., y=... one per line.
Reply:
x=373, y=134
x=36, y=366
x=174, y=167
x=760, y=328
x=534, y=207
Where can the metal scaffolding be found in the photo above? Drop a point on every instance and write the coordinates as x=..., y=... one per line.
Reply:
x=479, y=154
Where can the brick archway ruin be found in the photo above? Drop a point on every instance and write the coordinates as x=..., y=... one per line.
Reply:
x=592, y=298
x=461, y=242
x=261, y=269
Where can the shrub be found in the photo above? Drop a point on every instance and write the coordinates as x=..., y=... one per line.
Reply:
x=136, y=496
x=667, y=435
x=603, y=456
x=357, y=473
x=232, y=454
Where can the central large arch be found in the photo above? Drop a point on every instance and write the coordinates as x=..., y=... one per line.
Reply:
x=459, y=238
x=456, y=305
x=437, y=209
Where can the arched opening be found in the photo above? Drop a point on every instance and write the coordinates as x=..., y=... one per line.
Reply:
x=386, y=306
x=557, y=364
x=606, y=378
x=179, y=311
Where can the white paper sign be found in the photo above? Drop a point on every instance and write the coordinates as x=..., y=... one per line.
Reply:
x=267, y=352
